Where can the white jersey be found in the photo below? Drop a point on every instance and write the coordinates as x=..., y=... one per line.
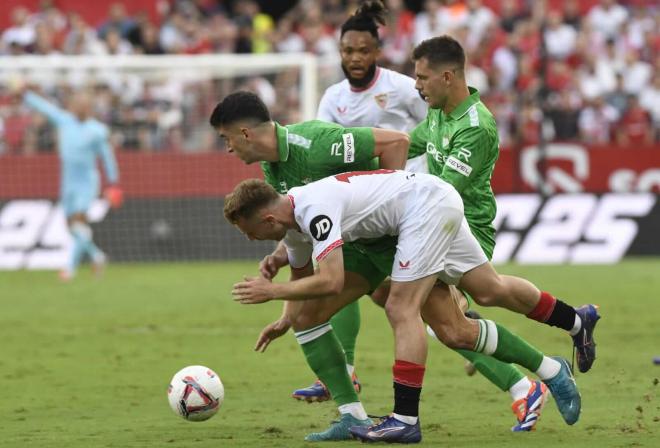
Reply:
x=390, y=101
x=354, y=205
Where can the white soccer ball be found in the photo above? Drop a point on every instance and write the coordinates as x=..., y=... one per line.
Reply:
x=196, y=393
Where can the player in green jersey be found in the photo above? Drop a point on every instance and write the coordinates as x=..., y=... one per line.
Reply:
x=292, y=156
x=256, y=138
x=460, y=138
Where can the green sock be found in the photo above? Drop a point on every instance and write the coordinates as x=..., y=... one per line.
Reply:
x=346, y=324
x=499, y=373
x=326, y=358
x=502, y=344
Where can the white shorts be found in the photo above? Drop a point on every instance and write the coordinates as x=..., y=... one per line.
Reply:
x=435, y=238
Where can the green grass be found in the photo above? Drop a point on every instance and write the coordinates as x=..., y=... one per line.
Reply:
x=87, y=364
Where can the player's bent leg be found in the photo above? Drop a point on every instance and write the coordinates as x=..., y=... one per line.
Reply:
x=330, y=368
x=403, y=311
x=488, y=288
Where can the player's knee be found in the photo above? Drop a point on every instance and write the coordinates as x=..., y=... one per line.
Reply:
x=451, y=336
x=379, y=297
x=308, y=319
x=492, y=295
x=397, y=310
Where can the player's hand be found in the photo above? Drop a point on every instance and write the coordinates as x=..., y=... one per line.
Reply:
x=115, y=196
x=270, y=266
x=271, y=332
x=16, y=85
x=253, y=290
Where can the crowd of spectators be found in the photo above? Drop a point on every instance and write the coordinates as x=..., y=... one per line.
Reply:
x=551, y=69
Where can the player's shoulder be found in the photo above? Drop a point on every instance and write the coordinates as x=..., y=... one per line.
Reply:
x=99, y=127
x=312, y=128
x=336, y=89
x=396, y=78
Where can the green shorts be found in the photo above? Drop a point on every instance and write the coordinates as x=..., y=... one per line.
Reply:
x=372, y=259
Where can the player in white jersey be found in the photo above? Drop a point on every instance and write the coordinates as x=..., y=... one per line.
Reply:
x=370, y=96
x=434, y=241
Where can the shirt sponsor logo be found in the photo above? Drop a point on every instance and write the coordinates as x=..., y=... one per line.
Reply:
x=464, y=154
x=433, y=152
x=459, y=166
x=349, y=148
x=320, y=227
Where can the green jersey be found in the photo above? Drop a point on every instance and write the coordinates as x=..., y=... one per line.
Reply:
x=462, y=148
x=312, y=150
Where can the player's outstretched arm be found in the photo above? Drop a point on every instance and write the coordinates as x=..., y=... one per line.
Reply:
x=54, y=113
x=328, y=281
x=391, y=147
x=278, y=328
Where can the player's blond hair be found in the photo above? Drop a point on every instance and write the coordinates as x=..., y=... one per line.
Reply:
x=248, y=197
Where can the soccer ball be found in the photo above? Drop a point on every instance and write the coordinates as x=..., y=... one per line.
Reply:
x=196, y=393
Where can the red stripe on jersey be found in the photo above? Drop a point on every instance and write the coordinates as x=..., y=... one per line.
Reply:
x=328, y=249
x=370, y=85
x=292, y=201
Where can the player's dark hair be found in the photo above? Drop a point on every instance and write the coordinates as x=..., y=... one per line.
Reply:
x=248, y=197
x=239, y=106
x=440, y=50
x=366, y=18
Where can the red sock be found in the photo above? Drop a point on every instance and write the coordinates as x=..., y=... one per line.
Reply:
x=408, y=373
x=544, y=308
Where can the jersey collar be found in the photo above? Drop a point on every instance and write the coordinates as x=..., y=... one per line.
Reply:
x=468, y=102
x=370, y=85
x=282, y=141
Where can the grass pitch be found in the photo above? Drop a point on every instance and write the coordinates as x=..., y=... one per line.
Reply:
x=87, y=364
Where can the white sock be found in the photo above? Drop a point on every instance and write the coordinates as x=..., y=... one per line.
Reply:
x=520, y=389
x=549, y=368
x=350, y=369
x=405, y=418
x=355, y=409
x=577, y=325
x=487, y=339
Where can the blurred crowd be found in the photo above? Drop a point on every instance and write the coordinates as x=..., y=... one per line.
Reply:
x=559, y=70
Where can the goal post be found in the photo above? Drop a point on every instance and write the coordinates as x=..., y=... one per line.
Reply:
x=173, y=167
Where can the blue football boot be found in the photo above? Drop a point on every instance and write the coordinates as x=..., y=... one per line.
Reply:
x=317, y=392
x=585, y=346
x=565, y=392
x=389, y=430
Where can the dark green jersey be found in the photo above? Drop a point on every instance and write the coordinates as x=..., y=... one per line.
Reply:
x=462, y=148
x=312, y=150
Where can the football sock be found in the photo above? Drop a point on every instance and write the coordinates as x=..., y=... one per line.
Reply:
x=408, y=378
x=326, y=358
x=549, y=368
x=496, y=340
x=355, y=409
x=350, y=369
x=81, y=234
x=499, y=373
x=520, y=389
x=577, y=325
x=554, y=312
x=346, y=324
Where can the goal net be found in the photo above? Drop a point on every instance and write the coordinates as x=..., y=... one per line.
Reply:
x=173, y=168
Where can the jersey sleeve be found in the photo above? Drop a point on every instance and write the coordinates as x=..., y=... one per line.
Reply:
x=108, y=156
x=326, y=108
x=298, y=249
x=52, y=112
x=468, y=155
x=342, y=148
x=322, y=222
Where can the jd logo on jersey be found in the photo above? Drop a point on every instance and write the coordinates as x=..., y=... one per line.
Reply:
x=320, y=227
